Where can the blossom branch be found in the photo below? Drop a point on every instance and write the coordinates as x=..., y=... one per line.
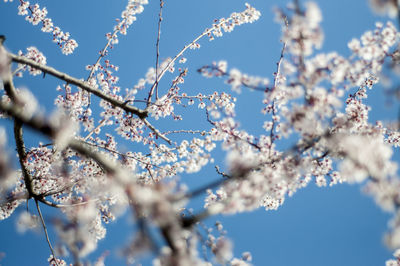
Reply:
x=79, y=83
x=231, y=133
x=215, y=70
x=175, y=58
x=142, y=114
x=248, y=16
x=148, y=165
x=201, y=132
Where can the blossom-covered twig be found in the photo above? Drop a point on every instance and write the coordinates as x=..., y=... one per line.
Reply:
x=133, y=8
x=142, y=114
x=248, y=16
x=234, y=77
x=38, y=15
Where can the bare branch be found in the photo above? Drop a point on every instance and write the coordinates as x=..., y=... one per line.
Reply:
x=45, y=231
x=157, y=54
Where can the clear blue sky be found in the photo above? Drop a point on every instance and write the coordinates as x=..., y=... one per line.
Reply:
x=317, y=226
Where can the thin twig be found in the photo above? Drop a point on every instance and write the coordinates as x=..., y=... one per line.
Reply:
x=102, y=122
x=221, y=173
x=201, y=132
x=243, y=81
x=104, y=50
x=45, y=232
x=276, y=81
x=231, y=133
x=128, y=156
x=157, y=54
x=17, y=70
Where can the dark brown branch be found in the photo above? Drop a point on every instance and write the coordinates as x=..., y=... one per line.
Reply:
x=2, y=39
x=18, y=133
x=19, y=141
x=40, y=124
x=188, y=222
x=36, y=122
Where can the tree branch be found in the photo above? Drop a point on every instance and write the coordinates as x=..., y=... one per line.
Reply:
x=142, y=114
x=81, y=84
x=181, y=52
x=18, y=133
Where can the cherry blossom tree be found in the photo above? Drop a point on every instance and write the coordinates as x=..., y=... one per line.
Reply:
x=87, y=173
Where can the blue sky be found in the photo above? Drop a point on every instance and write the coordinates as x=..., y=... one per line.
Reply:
x=317, y=226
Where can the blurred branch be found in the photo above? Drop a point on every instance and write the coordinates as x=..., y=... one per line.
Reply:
x=114, y=169
x=18, y=133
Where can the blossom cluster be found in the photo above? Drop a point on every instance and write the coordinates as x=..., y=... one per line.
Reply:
x=235, y=19
x=304, y=33
x=249, y=15
x=34, y=54
x=128, y=16
x=35, y=15
x=395, y=262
